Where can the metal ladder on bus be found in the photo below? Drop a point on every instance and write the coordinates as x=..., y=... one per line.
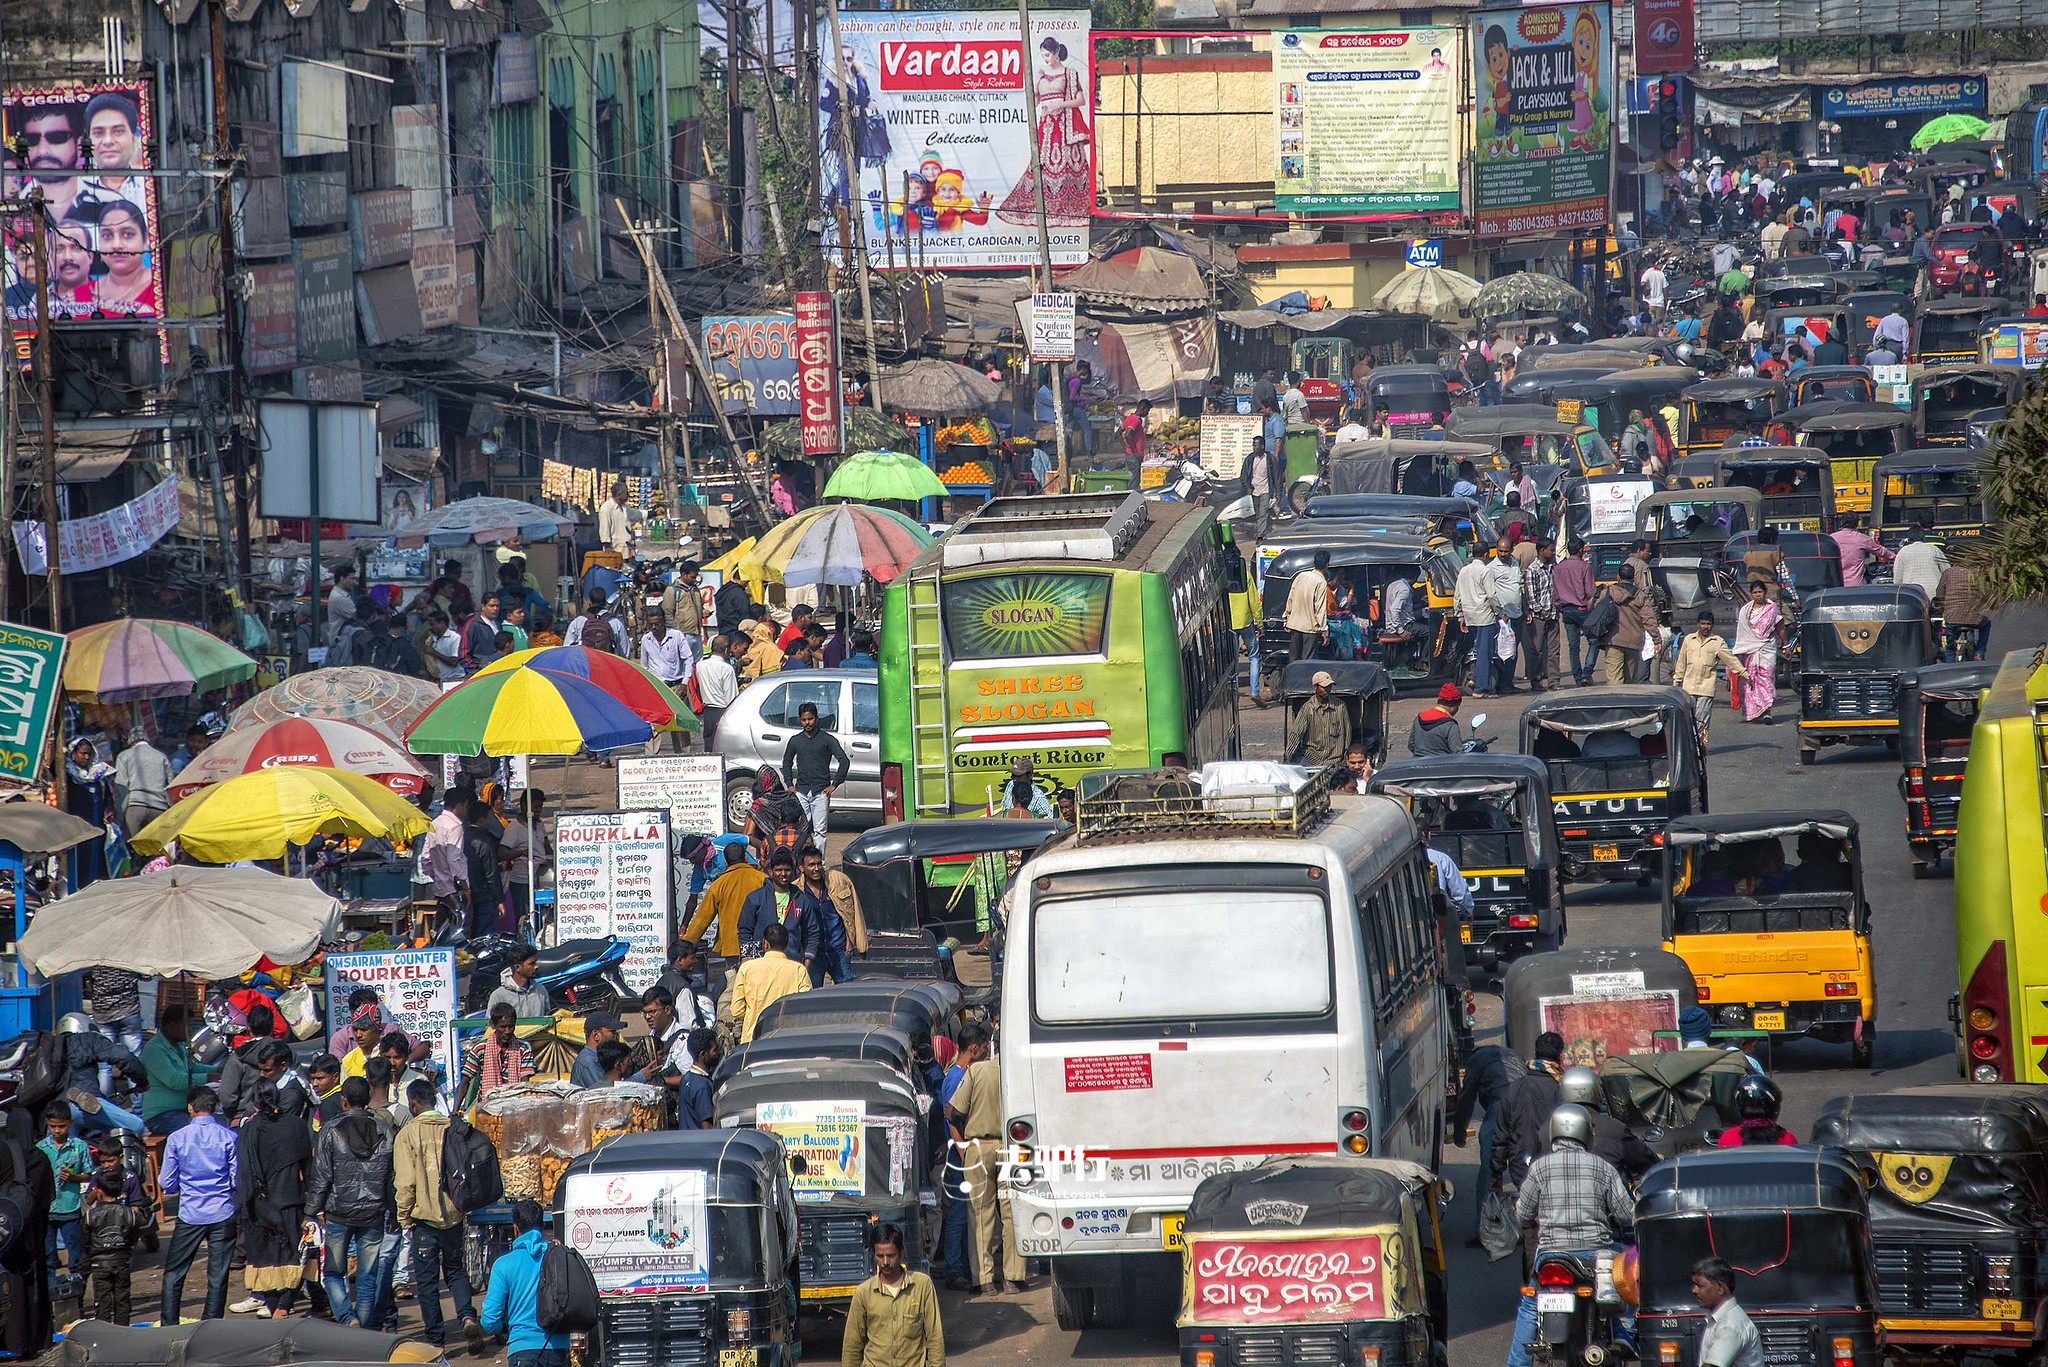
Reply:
x=930, y=717
x=2040, y=713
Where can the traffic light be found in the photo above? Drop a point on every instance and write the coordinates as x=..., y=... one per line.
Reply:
x=1670, y=125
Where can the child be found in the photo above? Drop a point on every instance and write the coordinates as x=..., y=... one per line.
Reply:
x=112, y=1227
x=71, y=1161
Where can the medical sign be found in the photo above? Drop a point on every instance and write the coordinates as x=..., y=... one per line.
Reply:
x=1886, y=99
x=81, y=145
x=817, y=374
x=753, y=363
x=643, y=1233
x=1365, y=122
x=828, y=1136
x=416, y=988
x=1052, y=327
x=1544, y=104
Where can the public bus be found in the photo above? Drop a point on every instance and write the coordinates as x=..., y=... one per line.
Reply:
x=2001, y=1014
x=1086, y=631
x=1197, y=984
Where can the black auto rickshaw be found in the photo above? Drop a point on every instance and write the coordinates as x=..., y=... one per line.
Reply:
x=1360, y=686
x=925, y=1011
x=1957, y=1178
x=1699, y=470
x=1712, y=412
x=910, y=879
x=1531, y=435
x=1395, y=465
x=1396, y=607
x=1330, y=1260
x=692, y=1238
x=869, y=1149
x=1941, y=485
x=1624, y=761
x=1797, y=484
x=1602, y=513
x=1687, y=530
x=1607, y=1002
x=1492, y=815
x=1457, y=522
x=1854, y=436
x=1813, y=560
x=1945, y=397
x=1831, y=383
x=1855, y=644
x=1795, y=1222
x=1947, y=329
x=1868, y=308
x=1937, y=714
x=1495, y=485
x=1412, y=398
x=1606, y=403
x=872, y=1043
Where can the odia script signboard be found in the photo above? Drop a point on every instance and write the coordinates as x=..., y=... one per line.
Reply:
x=817, y=373
x=30, y=663
x=612, y=878
x=1273, y=1280
x=416, y=988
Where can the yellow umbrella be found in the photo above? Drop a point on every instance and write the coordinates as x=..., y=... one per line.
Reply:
x=728, y=565
x=257, y=815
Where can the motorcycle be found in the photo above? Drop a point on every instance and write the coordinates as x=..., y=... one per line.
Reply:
x=1477, y=744
x=1193, y=485
x=580, y=975
x=1577, y=1309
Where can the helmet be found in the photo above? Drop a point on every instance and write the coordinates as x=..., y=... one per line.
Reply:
x=1757, y=1098
x=74, y=1023
x=1571, y=1122
x=1579, y=1086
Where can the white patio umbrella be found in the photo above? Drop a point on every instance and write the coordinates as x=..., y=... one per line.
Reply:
x=211, y=922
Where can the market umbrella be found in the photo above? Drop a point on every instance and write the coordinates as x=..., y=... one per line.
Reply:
x=1948, y=128
x=1436, y=292
x=1734, y=282
x=1525, y=290
x=837, y=544
x=484, y=520
x=873, y=475
x=140, y=657
x=526, y=712
x=257, y=815
x=864, y=430
x=939, y=388
x=213, y=923
x=384, y=702
x=301, y=740
x=645, y=696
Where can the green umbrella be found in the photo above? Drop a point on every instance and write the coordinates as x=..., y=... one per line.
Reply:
x=870, y=476
x=1949, y=128
x=1734, y=282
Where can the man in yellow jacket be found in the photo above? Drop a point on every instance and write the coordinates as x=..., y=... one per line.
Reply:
x=722, y=901
x=434, y=1221
x=767, y=979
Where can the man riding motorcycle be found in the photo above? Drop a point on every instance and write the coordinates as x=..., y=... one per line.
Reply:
x=1756, y=1100
x=1577, y=1204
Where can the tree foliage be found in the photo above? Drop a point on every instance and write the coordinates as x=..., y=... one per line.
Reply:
x=2011, y=559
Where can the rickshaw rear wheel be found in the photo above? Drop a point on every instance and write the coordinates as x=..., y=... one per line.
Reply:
x=1806, y=756
x=1863, y=1048
x=1921, y=870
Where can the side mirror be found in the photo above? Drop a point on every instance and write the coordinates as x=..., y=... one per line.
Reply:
x=798, y=1165
x=1478, y=720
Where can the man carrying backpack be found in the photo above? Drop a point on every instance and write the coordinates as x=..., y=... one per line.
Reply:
x=435, y=1220
x=512, y=1302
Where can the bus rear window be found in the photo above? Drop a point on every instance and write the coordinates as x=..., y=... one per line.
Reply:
x=1012, y=616
x=1130, y=957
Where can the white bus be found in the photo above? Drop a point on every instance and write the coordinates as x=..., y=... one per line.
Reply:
x=1195, y=985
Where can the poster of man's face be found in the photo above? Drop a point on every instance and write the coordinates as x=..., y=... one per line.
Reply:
x=78, y=148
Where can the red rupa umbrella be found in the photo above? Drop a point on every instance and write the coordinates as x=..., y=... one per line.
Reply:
x=303, y=740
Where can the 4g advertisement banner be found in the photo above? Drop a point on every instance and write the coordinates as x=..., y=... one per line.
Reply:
x=1542, y=150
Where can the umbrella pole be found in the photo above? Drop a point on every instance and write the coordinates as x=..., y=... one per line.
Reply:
x=526, y=796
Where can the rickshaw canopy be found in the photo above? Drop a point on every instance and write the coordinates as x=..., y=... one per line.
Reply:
x=1834, y=415
x=919, y=1010
x=1742, y=389
x=1591, y=975
x=887, y=870
x=1957, y=685
x=1648, y=511
x=740, y=1167
x=1387, y=465
x=1953, y=1119
x=877, y=1043
x=1624, y=707
x=1767, y=1178
x=1332, y=1192
x=1723, y=829
x=1348, y=679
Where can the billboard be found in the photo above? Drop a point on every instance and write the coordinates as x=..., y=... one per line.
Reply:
x=817, y=380
x=1543, y=100
x=100, y=228
x=753, y=362
x=1365, y=122
x=933, y=107
x=1664, y=37
x=1883, y=99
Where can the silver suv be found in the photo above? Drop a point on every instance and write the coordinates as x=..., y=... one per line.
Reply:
x=756, y=729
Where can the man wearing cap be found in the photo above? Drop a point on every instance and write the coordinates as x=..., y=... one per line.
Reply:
x=599, y=1029
x=1041, y=805
x=1321, y=731
x=1435, y=731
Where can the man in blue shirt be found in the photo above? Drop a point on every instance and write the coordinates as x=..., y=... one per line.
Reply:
x=200, y=1168
x=693, y=1093
x=599, y=1029
x=958, y=1213
x=511, y=1305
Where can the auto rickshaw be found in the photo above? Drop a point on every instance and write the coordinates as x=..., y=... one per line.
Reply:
x=1943, y=485
x=1937, y=713
x=925, y=1011
x=908, y=876
x=1428, y=648
x=1825, y=383
x=1797, y=484
x=1793, y=1219
x=1945, y=397
x=1606, y=1002
x=1360, y=686
x=1778, y=947
x=1395, y=465
x=1458, y=523
x=1957, y=1178
x=1946, y=330
x=868, y=1152
x=1602, y=513
x=1712, y=412
x=1700, y=470
x=1855, y=644
x=1813, y=560
x=1520, y=433
x=1804, y=266
x=1687, y=530
x=871, y=1043
x=1336, y=1260
x=692, y=1238
x=1855, y=437
x=1413, y=398
x=1492, y=815
x=1606, y=403
x=1868, y=308
x=1624, y=761
x=1496, y=484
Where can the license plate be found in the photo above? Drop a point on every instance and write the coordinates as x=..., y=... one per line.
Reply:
x=1607, y=852
x=819, y=1293
x=2004, y=1310
x=737, y=1357
x=1555, y=1303
x=1770, y=1020
x=1465, y=934
x=1170, y=1227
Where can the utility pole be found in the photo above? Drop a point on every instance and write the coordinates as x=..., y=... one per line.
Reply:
x=735, y=132
x=859, y=241
x=230, y=300
x=1059, y=383
x=46, y=410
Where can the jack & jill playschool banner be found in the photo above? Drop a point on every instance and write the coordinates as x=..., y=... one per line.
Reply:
x=1543, y=100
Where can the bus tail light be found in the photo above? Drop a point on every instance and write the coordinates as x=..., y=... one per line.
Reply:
x=1021, y=1130
x=892, y=792
x=1986, y=997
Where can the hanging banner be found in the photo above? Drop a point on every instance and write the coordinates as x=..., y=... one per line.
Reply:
x=1664, y=37
x=933, y=106
x=612, y=877
x=817, y=373
x=31, y=666
x=93, y=543
x=1366, y=122
x=416, y=988
x=1544, y=102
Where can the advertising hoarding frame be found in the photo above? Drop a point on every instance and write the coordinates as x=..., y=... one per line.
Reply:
x=1529, y=73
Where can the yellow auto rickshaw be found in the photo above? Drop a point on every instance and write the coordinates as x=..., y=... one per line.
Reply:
x=1712, y=412
x=1854, y=436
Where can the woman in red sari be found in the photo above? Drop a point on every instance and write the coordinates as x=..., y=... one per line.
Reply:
x=1063, y=144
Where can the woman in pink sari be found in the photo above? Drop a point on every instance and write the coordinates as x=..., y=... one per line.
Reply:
x=1759, y=627
x=1063, y=146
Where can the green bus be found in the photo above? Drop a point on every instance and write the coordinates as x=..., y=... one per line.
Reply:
x=1086, y=631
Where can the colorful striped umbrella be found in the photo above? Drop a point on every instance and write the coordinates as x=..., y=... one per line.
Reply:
x=257, y=816
x=140, y=657
x=526, y=712
x=302, y=740
x=647, y=697
x=837, y=545
x=384, y=702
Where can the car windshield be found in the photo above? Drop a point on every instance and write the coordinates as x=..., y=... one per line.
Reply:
x=1958, y=238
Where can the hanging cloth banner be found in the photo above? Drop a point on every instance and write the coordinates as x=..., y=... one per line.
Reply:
x=93, y=543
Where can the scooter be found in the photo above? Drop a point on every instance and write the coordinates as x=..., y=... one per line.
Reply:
x=580, y=975
x=1478, y=744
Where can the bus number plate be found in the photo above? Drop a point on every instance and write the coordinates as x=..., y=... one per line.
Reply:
x=1170, y=1227
x=1607, y=852
x=1770, y=1020
x=2004, y=1310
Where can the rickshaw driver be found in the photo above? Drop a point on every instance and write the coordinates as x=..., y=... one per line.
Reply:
x=1577, y=1203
